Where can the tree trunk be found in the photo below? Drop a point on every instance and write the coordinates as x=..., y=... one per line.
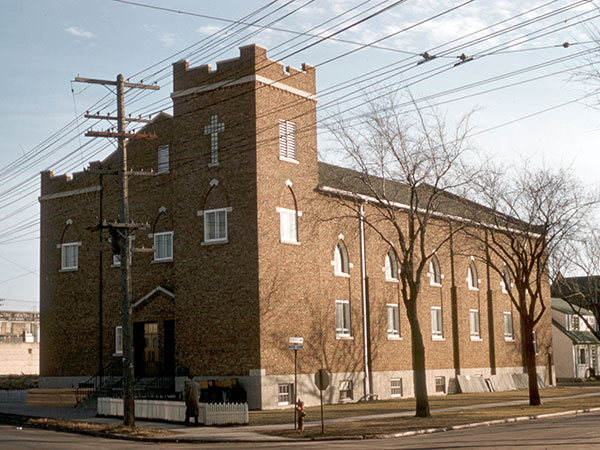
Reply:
x=534, y=392
x=418, y=359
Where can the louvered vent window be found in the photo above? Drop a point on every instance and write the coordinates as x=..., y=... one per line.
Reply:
x=163, y=159
x=287, y=140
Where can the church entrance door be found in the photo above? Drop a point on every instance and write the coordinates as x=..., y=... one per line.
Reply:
x=146, y=349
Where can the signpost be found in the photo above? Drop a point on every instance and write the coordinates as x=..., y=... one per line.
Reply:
x=322, y=382
x=296, y=343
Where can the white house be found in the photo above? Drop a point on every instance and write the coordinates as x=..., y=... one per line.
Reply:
x=575, y=346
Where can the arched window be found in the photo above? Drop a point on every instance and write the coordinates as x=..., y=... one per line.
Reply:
x=505, y=280
x=391, y=266
x=341, y=265
x=435, y=275
x=472, y=277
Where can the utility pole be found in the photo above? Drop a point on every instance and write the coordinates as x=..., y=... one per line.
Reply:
x=123, y=228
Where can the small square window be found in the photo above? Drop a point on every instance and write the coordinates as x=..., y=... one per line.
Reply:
x=582, y=358
x=474, y=324
x=346, y=390
x=508, y=326
x=69, y=256
x=396, y=387
x=163, y=246
x=440, y=384
x=342, y=318
x=437, y=327
x=393, y=320
x=574, y=322
x=285, y=394
x=288, y=225
x=215, y=225
x=119, y=340
x=117, y=258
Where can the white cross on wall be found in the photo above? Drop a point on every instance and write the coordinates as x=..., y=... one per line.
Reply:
x=214, y=129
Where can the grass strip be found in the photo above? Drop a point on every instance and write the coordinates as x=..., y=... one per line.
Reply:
x=386, y=426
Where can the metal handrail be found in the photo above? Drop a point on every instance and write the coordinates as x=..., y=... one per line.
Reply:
x=111, y=370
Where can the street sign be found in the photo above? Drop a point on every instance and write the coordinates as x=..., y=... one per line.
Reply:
x=322, y=379
x=296, y=340
x=322, y=382
x=296, y=347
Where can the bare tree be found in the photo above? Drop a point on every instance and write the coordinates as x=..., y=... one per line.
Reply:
x=533, y=212
x=581, y=292
x=405, y=164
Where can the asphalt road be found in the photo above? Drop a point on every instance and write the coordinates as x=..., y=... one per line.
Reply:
x=567, y=432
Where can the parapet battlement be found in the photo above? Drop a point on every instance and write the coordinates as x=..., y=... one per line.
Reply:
x=252, y=61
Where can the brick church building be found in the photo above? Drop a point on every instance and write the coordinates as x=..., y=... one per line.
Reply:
x=243, y=258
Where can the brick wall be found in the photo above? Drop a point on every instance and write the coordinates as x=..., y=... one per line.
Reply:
x=236, y=303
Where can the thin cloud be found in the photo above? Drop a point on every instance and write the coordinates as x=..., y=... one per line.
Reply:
x=168, y=39
x=208, y=29
x=78, y=32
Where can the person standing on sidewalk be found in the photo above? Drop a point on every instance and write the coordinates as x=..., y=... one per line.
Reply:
x=191, y=392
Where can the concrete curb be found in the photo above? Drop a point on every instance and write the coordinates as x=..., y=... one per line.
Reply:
x=15, y=419
x=486, y=423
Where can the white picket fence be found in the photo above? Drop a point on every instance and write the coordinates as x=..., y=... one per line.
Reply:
x=12, y=395
x=210, y=413
x=225, y=413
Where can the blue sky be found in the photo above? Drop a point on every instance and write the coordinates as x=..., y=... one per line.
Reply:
x=44, y=45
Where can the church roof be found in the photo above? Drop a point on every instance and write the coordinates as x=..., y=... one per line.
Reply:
x=348, y=182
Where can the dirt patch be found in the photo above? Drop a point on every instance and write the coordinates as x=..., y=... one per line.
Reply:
x=76, y=426
x=99, y=428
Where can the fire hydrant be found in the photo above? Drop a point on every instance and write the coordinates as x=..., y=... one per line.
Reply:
x=301, y=414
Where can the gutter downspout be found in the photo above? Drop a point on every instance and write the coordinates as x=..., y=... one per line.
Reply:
x=363, y=278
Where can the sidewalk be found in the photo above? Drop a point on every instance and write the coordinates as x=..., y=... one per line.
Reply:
x=236, y=433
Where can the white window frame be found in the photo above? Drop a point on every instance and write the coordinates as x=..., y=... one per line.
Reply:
x=218, y=213
x=118, y=340
x=475, y=324
x=396, y=388
x=574, y=319
x=535, y=345
x=157, y=236
x=346, y=390
x=393, y=320
x=162, y=157
x=506, y=284
x=440, y=384
x=435, y=272
x=508, y=336
x=472, y=280
x=69, y=262
x=287, y=141
x=390, y=267
x=285, y=393
x=582, y=351
x=116, y=262
x=341, y=260
x=343, y=320
x=437, y=323
x=288, y=225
